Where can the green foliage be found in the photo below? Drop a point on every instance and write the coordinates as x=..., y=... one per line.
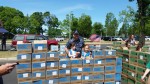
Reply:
x=111, y=24
x=97, y=28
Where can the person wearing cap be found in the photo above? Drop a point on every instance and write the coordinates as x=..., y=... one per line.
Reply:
x=79, y=43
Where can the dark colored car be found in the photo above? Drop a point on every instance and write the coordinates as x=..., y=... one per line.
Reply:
x=107, y=38
x=27, y=38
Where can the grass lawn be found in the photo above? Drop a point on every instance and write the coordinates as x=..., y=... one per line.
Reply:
x=8, y=54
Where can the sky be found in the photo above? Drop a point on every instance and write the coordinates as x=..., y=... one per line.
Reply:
x=97, y=9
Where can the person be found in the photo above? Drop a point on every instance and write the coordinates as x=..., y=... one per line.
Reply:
x=7, y=68
x=146, y=72
x=79, y=43
x=130, y=41
x=3, y=42
x=72, y=52
x=86, y=54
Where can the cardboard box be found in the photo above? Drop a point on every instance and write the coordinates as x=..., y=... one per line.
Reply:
x=39, y=46
x=110, y=69
x=50, y=74
x=64, y=80
x=76, y=62
x=54, y=48
x=62, y=47
x=118, y=61
x=118, y=77
x=92, y=47
x=64, y=72
x=52, y=56
x=132, y=75
x=87, y=78
x=52, y=65
x=118, y=82
x=38, y=57
x=64, y=63
x=76, y=71
x=99, y=62
x=52, y=81
x=39, y=82
x=76, y=79
x=110, y=77
x=96, y=54
x=98, y=78
x=110, y=61
x=38, y=66
x=87, y=70
x=23, y=77
x=118, y=69
x=110, y=53
x=24, y=48
x=38, y=75
x=26, y=82
x=110, y=82
x=98, y=70
x=23, y=67
x=88, y=62
x=62, y=54
x=24, y=58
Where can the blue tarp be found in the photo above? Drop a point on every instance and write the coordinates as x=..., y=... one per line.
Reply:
x=2, y=30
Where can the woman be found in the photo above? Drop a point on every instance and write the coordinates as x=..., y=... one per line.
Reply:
x=130, y=41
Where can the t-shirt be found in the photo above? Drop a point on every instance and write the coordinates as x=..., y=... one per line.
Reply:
x=72, y=52
x=86, y=54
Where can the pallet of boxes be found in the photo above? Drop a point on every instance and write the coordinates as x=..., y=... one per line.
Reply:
x=40, y=66
x=134, y=65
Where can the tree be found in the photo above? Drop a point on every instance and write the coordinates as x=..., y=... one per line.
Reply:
x=84, y=25
x=97, y=28
x=111, y=24
x=36, y=20
x=8, y=15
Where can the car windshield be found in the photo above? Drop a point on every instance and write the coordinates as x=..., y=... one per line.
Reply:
x=32, y=37
x=19, y=38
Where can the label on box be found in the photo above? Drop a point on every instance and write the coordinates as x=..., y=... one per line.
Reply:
x=24, y=57
x=99, y=62
x=61, y=52
x=63, y=65
x=78, y=77
x=117, y=82
x=54, y=73
x=42, y=64
x=126, y=59
x=50, y=81
x=79, y=69
x=40, y=48
x=51, y=55
x=67, y=71
x=109, y=52
x=25, y=75
x=86, y=77
x=52, y=64
x=38, y=74
x=87, y=61
x=133, y=74
x=37, y=56
x=141, y=57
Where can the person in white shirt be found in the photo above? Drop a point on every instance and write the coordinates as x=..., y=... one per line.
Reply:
x=86, y=54
x=72, y=52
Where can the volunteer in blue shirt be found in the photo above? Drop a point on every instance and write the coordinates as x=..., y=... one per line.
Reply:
x=79, y=43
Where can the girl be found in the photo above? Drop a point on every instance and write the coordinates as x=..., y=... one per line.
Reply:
x=72, y=52
x=146, y=72
x=86, y=54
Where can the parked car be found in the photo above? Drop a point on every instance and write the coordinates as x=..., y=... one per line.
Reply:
x=147, y=38
x=27, y=38
x=107, y=38
x=59, y=38
x=116, y=39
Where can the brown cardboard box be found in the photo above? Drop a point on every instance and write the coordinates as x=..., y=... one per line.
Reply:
x=39, y=46
x=24, y=48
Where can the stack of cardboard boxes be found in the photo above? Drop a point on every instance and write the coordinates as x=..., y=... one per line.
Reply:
x=37, y=66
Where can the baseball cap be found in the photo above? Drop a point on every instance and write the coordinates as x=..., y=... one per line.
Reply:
x=76, y=32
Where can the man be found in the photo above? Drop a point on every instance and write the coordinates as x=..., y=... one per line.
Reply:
x=79, y=43
x=3, y=41
x=7, y=68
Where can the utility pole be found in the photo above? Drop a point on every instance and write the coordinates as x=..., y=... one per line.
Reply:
x=70, y=21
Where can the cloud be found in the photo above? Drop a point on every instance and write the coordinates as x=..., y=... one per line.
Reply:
x=75, y=7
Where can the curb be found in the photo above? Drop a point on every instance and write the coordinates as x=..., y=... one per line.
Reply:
x=5, y=59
